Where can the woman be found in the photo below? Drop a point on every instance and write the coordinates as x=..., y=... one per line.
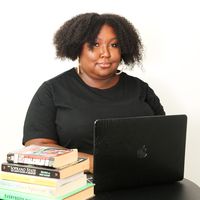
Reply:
x=64, y=108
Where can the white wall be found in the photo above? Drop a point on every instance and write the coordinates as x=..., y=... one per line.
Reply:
x=170, y=32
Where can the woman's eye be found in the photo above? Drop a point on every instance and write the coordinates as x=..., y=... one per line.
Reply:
x=115, y=45
x=96, y=44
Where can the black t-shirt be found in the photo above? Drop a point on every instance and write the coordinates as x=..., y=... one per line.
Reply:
x=64, y=108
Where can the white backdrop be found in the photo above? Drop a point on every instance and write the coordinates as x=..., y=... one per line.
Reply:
x=170, y=32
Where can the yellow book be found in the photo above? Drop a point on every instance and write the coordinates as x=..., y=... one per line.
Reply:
x=53, y=182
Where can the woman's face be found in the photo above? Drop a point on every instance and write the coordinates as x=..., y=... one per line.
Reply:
x=102, y=61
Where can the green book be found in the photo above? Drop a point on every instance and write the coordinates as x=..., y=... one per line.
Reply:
x=11, y=194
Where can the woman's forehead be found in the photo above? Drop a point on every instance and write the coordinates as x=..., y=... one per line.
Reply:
x=106, y=31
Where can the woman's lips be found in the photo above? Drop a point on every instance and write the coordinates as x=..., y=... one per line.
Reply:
x=104, y=65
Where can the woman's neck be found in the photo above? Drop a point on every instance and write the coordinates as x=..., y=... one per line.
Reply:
x=103, y=83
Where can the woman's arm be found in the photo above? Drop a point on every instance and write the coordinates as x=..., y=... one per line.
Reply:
x=153, y=100
x=53, y=143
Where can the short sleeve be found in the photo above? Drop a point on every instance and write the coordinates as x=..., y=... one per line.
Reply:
x=40, y=117
x=154, y=102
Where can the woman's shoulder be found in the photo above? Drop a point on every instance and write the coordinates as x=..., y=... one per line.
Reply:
x=58, y=81
x=130, y=79
x=64, y=76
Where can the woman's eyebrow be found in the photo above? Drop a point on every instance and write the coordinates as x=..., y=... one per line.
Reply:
x=114, y=38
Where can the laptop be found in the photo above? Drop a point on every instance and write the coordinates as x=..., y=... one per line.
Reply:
x=138, y=151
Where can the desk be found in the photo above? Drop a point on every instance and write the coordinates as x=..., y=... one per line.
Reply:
x=183, y=190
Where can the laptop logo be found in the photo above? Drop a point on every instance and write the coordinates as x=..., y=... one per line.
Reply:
x=142, y=152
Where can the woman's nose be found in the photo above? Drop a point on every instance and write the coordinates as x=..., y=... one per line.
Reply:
x=105, y=52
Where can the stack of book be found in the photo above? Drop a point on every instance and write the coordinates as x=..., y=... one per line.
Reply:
x=45, y=173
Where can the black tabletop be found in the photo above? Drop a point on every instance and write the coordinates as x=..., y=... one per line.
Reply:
x=183, y=190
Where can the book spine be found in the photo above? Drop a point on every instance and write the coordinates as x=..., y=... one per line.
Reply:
x=30, y=159
x=29, y=179
x=7, y=194
x=43, y=190
x=39, y=180
x=14, y=195
x=27, y=188
x=30, y=170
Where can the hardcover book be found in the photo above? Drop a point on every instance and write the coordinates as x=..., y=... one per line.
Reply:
x=81, y=165
x=43, y=156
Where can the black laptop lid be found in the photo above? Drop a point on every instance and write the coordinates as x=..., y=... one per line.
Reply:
x=137, y=151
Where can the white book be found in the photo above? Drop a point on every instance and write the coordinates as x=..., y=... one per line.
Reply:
x=53, y=182
x=69, y=186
